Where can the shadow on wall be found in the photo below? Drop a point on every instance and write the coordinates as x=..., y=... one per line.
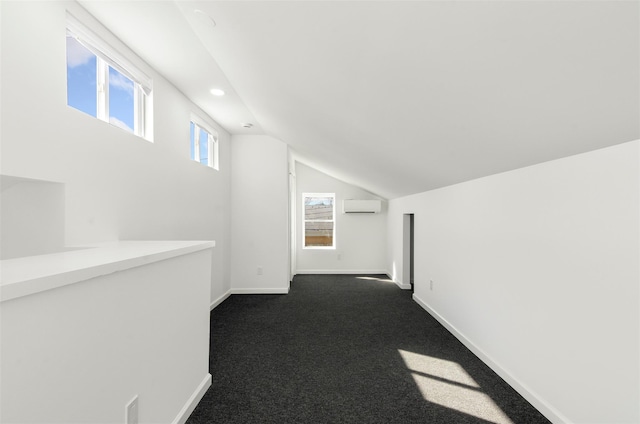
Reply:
x=32, y=221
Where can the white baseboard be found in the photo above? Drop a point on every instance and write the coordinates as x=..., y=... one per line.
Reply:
x=402, y=285
x=260, y=291
x=532, y=397
x=398, y=283
x=193, y=401
x=342, y=271
x=219, y=300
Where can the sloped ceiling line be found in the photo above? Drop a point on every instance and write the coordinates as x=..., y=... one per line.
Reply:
x=404, y=97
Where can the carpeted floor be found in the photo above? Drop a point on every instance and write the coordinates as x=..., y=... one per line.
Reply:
x=346, y=349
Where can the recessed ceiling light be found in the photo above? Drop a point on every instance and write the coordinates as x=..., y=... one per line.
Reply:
x=246, y=125
x=217, y=92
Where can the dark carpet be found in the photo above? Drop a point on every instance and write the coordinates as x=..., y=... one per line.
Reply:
x=346, y=349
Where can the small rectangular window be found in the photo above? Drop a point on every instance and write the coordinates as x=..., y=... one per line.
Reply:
x=103, y=84
x=203, y=144
x=319, y=220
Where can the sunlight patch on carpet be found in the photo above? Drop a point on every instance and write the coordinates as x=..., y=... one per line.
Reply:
x=384, y=280
x=447, y=384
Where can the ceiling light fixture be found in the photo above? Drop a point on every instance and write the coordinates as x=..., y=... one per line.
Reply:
x=217, y=92
x=246, y=125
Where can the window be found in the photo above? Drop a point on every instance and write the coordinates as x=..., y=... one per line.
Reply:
x=103, y=84
x=319, y=220
x=203, y=145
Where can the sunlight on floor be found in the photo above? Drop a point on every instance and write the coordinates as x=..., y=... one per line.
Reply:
x=384, y=280
x=447, y=384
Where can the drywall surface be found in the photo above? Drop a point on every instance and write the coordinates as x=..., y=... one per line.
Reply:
x=538, y=271
x=32, y=218
x=80, y=353
x=360, y=239
x=117, y=186
x=259, y=223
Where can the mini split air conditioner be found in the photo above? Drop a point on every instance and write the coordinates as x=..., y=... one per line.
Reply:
x=361, y=206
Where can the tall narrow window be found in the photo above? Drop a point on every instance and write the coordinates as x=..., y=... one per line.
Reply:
x=103, y=84
x=203, y=145
x=319, y=220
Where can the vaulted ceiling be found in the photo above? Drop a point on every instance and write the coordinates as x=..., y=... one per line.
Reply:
x=400, y=97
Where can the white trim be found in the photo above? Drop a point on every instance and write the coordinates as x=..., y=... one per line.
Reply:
x=138, y=112
x=193, y=401
x=400, y=284
x=212, y=141
x=343, y=271
x=99, y=47
x=34, y=274
x=260, y=291
x=403, y=286
x=219, y=300
x=532, y=397
x=203, y=123
x=332, y=220
x=214, y=150
x=109, y=58
x=320, y=247
x=102, y=95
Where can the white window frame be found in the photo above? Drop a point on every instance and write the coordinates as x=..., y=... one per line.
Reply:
x=107, y=57
x=212, y=142
x=304, y=221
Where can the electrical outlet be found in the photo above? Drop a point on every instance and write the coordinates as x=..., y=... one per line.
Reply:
x=339, y=256
x=132, y=411
x=430, y=284
x=259, y=270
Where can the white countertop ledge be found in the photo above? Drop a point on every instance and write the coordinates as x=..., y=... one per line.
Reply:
x=33, y=274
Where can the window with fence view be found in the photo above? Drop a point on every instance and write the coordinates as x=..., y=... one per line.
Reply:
x=319, y=220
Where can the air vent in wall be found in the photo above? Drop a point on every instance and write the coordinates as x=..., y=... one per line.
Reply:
x=361, y=206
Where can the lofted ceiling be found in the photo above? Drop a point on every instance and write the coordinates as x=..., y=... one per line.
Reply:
x=400, y=97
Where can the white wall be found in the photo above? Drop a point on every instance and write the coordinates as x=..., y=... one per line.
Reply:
x=32, y=219
x=259, y=221
x=292, y=216
x=118, y=186
x=537, y=270
x=80, y=353
x=360, y=238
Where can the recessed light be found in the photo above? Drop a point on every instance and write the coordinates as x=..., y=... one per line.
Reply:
x=246, y=125
x=217, y=92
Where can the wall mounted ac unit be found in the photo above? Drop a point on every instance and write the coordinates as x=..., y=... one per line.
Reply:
x=361, y=206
